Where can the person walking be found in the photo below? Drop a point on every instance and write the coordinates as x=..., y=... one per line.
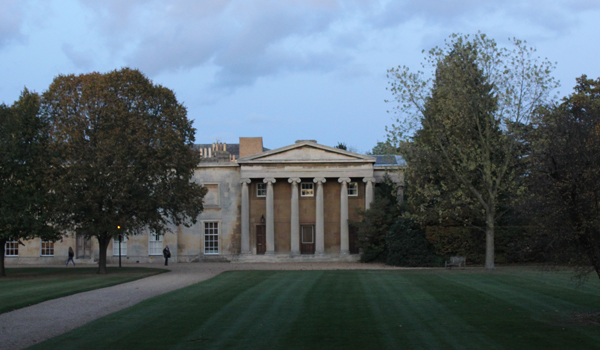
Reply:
x=167, y=255
x=71, y=255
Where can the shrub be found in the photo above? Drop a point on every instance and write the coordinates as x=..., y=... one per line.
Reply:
x=407, y=245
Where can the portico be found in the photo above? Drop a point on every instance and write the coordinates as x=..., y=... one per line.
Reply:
x=305, y=193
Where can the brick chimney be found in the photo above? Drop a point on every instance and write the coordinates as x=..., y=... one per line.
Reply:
x=250, y=146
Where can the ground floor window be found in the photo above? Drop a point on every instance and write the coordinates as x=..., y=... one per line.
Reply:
x=47, y=248
x=211, y=238
x=11, y=248
x=155, y=244
x=123, y=246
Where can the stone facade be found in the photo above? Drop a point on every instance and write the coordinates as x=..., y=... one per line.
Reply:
x=288, y=204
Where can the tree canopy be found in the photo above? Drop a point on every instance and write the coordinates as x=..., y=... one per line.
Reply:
x=126, y=157
x=25, y=199
x=376, y=222
x=564, y=179
x=461, y=129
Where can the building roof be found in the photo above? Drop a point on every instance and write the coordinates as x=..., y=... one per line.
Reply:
x=387, y=160
x=307, y=151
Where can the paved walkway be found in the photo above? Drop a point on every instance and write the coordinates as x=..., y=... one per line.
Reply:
x=28, y=326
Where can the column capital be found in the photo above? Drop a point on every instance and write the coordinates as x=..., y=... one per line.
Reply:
x=293, y=180
x=269, y=180
x=344, y=179
x=369, y=179
x=245, y=181
x=319, y=179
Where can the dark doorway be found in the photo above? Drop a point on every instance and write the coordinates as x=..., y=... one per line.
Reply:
x=307, y=239
x=353, y=239
x=261, y=239
x=84, y=247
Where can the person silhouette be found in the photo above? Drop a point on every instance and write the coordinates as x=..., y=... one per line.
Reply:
x=167, y=255
x=71, y=255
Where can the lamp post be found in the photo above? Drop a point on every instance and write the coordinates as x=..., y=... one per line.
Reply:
x=120, y=239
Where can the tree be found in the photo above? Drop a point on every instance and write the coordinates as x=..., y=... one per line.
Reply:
x=376, y=222
x=384, y=148
x=125, y=149
x=25, y=200
x=341, y=145
x=407, y=246
x=462, y=128
x=565, y=178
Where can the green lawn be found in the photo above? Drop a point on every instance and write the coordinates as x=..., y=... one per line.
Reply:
x=512, y=308
x=28, y=286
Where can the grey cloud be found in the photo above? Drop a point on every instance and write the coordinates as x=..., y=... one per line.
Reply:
x=247, y=40
x=548, y=15
x=244, y=40
x=11, y=21
x=79, y=59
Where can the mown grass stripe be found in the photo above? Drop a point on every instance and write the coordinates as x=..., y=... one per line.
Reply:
x=426, y=322
x=334, y=316
x=501, y=319
x=261, y=314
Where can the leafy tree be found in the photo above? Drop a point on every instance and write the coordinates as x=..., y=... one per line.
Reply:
x=384, y=148
x=342, y=145
x=464, y=157
x=25, y=200
x=565, y=178
x=125, y=147
x=407, y=245
x=376, y=222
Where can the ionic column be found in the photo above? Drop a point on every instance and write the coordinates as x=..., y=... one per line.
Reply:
x=295, y=218
x=344, y=238
x=245, y=217
x=270, y=217
x=368, y=191
x=320, y=224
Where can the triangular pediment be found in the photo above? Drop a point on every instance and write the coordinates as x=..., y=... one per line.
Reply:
x=306, y=152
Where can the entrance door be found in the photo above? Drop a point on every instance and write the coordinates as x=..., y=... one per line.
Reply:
x=307, y=239
x=83, y=248
x=353, y=239
x=261, y=239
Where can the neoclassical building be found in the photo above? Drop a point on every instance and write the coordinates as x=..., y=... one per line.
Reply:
x=288, y=204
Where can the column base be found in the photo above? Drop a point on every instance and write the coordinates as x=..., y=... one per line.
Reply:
x=320, y=253
x=295, y=253
x=248, y=252
x=345, y=252
x=269, y=252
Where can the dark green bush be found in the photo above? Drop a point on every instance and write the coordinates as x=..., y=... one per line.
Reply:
x=407, y=245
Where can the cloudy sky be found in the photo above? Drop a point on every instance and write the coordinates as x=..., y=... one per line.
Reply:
x=280, y=69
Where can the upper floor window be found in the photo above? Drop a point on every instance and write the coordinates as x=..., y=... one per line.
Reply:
x=353, y=189
x=261, y=190
x=307, y=189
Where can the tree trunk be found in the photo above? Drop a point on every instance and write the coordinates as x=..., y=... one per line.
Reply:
x=2, y=246
x=103, y=241
x=489, y=241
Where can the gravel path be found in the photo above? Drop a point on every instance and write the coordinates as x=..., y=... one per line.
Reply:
x=25, y=327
